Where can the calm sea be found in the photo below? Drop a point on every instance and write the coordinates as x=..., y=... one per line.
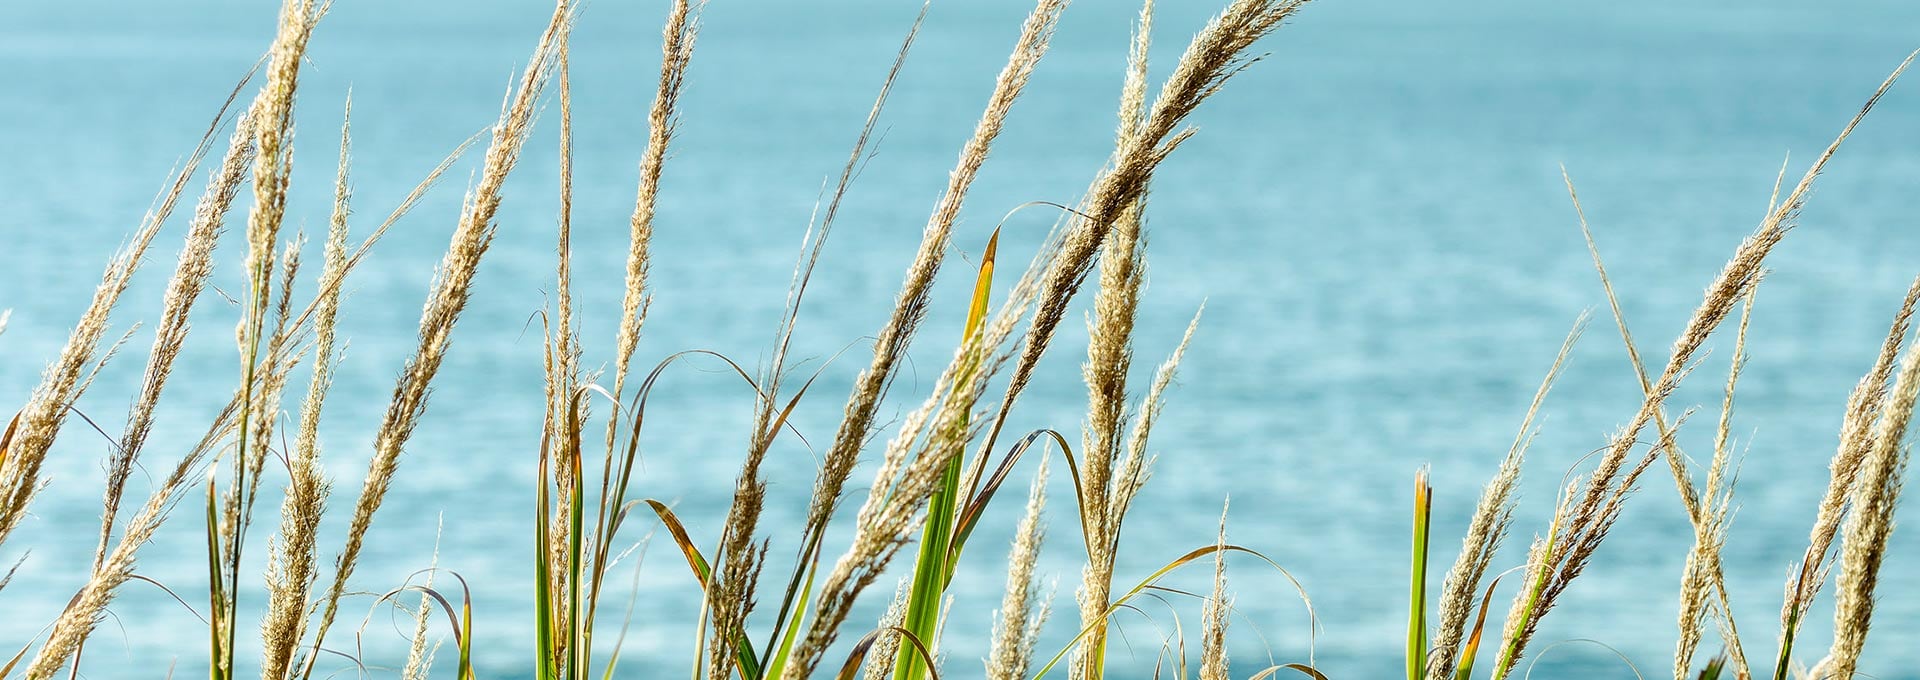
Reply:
x=1373, y=217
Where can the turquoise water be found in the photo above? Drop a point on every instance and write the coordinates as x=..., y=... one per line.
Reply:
x=1373, y=217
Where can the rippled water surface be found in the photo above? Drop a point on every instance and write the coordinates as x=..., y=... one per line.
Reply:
x=1373, y=217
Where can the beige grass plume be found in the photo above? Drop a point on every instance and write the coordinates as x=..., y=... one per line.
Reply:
x=1864, y=409
x=676, y=50
x=1016, y=629
x=1600, y=496
x=1488, y=527
x=451, y=288
x=183, y=289
x=1701, y=518
x=38, y=423
x=1213, y=621
x=292, y=569
x=890, y=346
x=1863, y=547
x=1110, y=326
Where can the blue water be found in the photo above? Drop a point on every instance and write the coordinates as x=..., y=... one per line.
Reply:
x=1373, y=216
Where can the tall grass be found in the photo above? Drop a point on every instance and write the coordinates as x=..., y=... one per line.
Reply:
x=937, y=471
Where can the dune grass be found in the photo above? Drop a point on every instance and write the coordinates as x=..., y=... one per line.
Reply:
x=935, y=474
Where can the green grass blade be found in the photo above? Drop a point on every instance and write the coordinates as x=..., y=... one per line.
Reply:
x=805, y=566
x=465, y=670
x=778, y=665
x=930, y=573
x=545, y=668
x=1533, y=598
x=579, y=643
x=1792, y=627
x=1781, y=667
x=1714, y=667
x=217, y=614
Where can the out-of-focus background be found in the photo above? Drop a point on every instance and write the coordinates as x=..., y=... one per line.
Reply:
x=1373, y=217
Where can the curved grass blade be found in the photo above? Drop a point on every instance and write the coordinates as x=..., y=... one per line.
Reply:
x=858, y=654
x=461, y=622
x=970, y=516
x=1301, y=668
x=1183, y=560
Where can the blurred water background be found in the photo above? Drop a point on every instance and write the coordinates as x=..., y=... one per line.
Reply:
x=1373, y=217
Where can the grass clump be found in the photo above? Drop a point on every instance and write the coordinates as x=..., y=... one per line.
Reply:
x=934, y=476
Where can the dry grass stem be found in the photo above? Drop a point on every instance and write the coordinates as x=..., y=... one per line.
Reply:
x=1214, y=56
x=1703, y=576
x=1690, y=499
x=923, y=485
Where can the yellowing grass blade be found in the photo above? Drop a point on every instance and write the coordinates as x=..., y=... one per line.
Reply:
x=6, y=440
x=933, y=570
x=1417, y=598
x=1464, y=670
x=982, y=286
x=695, y=560
x=748, y=660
